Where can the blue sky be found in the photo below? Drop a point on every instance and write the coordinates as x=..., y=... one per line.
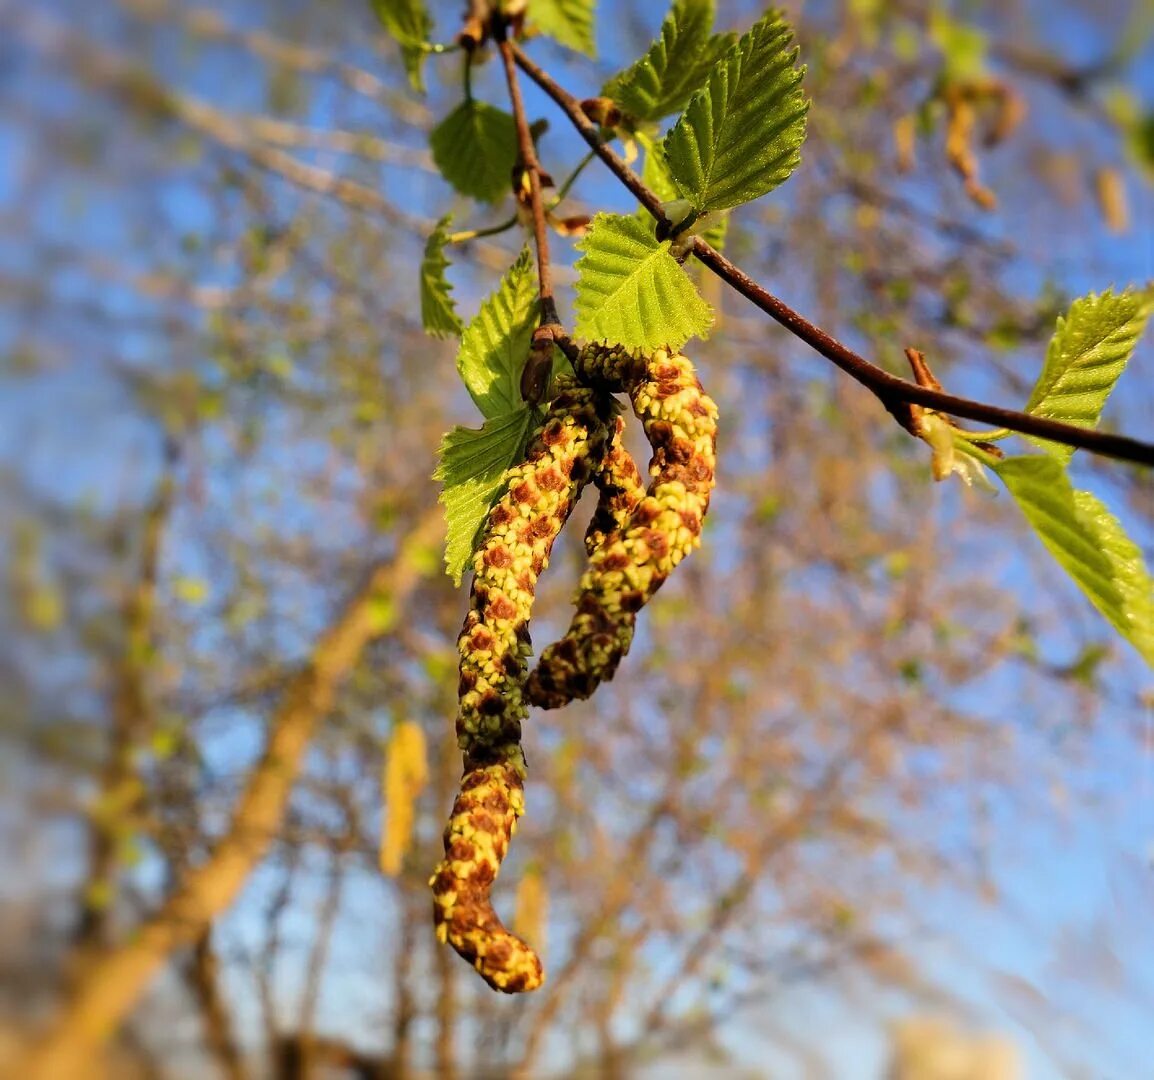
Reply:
x=1085, y=873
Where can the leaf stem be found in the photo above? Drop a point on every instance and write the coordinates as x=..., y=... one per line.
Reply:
x=570, y=180
x=465, y=235
x=531, y=168
x=984, y=436
x=976, y=452
x=590, y=132
x=890, y=390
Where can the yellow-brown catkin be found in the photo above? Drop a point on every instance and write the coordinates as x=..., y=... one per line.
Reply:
x=621, y=488
x=632, y=563
x=403, y=778
x=539, y=495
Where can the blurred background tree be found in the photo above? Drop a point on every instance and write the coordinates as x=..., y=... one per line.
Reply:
x=872, y=754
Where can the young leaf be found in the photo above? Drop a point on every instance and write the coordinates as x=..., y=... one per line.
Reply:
x=471, y=466
x=716, y=230
x=438, y=314
x=408, y=22
x=741, y=135
x=655, y=173
x=676, y=64
x=1087, y=354
x=963, y=47
x=496, y=342
x=568, y=21
x=1088, y=542
x=631, y=291
x=475, y=147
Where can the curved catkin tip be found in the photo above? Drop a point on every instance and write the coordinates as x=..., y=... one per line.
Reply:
x=476, y=840
x=633, y=561
x=538, y=497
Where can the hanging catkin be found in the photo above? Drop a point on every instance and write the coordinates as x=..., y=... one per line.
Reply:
x=621, y=488
x=404, y=776
x=633, y=561
x=539, y=495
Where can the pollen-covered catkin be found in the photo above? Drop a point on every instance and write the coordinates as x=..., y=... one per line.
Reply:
x=539, y=495
x=621, y=488
x=631, y=564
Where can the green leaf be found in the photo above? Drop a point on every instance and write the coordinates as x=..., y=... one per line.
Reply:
x=963, y=47
x=472, y=465
x=1088, y=542
x=676, y=65
x=475, y=147
x=1086, y=356
x=655, y=172
x=1133, y=580
x=1140, y=143
x=741, y=135
x=408, y=22
x=496, y=342
x=631, y=291
x=568, y=21
x=713, y=228
x=438, y=313
x=715, y=231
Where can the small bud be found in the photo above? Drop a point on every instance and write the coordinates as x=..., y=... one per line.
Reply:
x=473, y=34
x=602, y=110
x=905, y=142
x=946, y=461
x=535, y=374
x=678, y=212
x=574, y=225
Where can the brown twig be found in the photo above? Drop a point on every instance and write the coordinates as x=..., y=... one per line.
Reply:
x=590, y=132
x=530, y=167
x=539, y=364
x=891, y=390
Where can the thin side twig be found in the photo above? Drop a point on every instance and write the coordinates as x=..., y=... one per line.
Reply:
x=891, y=390
x=530, y=167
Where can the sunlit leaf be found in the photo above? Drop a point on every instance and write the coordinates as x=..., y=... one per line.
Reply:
x=1088, y=542
x=408, y=23
x=438, y=313
x=676, y=65
x=712, y=227
x=963, y=47
x=741, y=135
x=631, y=291
x=1086, y=356
x=475, y=147
x=568, y=21
x=496, y=342
x=472, y=464
x=655, y=172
